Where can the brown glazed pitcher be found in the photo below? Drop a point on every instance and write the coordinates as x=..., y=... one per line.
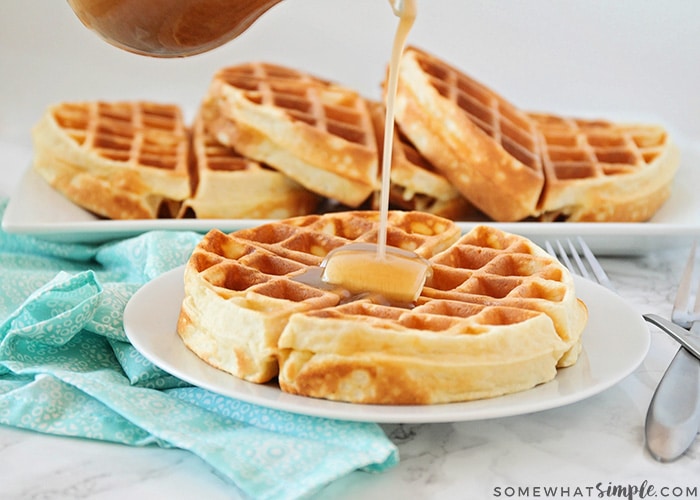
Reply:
x=169, y=28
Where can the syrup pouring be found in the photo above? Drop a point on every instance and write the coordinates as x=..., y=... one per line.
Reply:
x=396, y=274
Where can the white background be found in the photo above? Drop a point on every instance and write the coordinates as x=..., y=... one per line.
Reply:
x=624, y=58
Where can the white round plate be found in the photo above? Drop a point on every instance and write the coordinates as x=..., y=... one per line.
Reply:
x=615, y=342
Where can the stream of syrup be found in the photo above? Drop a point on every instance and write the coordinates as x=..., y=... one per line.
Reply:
x=393, y=273
x=385, y=273
x=405, y=10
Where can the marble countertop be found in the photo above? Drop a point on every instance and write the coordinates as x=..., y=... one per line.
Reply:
x=582, y=449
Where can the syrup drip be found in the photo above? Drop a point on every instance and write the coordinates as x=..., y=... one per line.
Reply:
x=313, y=277
x=405, y=10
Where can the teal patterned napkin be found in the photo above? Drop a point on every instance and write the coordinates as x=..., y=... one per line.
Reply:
x=67, y=368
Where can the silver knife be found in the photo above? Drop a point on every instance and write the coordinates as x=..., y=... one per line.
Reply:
x=673, y=418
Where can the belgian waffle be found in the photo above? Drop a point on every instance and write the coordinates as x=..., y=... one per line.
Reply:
x=247, y=279
x=415, y=184
x=485, y=146
x=602, y=171
x=317, y=133
x=513, y=165
x=498, y=315
x=122, y=160
x=229, y=185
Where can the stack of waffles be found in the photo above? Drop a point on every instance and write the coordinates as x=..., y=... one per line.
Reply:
x=514, y=165
x=139, y=160
x=317, y=133
x=496, y=316
x=228, y=184
x=125, y=160
x=274, y=142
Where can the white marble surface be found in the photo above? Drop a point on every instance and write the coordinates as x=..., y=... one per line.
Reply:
x=597, y=441
x=650, y=69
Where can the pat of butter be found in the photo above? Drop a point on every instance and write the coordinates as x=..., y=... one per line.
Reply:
x=398, y=275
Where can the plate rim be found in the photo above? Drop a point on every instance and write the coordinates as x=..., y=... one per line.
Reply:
x=272, y=397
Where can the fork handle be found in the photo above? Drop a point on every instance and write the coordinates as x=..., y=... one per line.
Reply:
x=673, y=418
x=679, y=334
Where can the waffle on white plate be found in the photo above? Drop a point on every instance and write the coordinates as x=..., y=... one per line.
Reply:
x=229, y=185
x=120, y=160
x=498, y=315
x=514, y=165
x=318, y=133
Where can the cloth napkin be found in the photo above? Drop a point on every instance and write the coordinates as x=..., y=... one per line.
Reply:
x=67, y=368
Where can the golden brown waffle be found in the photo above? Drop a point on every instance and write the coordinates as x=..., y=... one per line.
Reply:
x=513, y=165
x=229, y=185
x=415, y=184
x=498, y=315
x=122, y=160
x=602, y=171
x=247, y=279
x=315, y=132
x=495, y=268
x=484, y=145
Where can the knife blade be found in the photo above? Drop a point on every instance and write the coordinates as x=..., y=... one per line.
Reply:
x=673, y=418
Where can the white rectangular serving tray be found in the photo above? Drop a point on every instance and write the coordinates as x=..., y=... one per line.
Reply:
x=37, y=209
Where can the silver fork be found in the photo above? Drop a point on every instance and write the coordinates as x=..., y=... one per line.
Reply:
x=673, y=418
x=576, y=264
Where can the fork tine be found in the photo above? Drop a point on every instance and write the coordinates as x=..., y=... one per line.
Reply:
x=577, y=259
x=680, y=312
x=561, y=254
x=578, y=266
x=597, y=269
x=549, y=248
